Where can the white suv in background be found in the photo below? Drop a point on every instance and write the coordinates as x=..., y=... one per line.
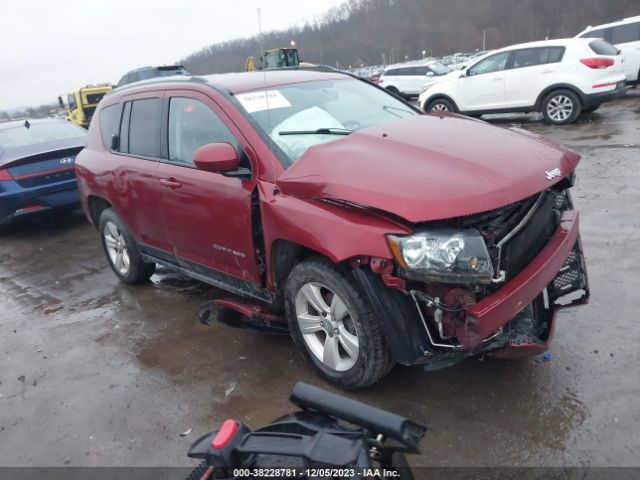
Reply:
x=624, y=34
x=408, y=79
x=560, y=78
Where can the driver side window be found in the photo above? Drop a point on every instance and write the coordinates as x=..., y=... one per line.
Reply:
x=193, y=124
x=494, y=63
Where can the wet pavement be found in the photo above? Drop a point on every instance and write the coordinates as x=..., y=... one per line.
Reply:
x=94, y=372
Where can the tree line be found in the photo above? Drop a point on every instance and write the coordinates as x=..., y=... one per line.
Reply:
x=41, y=111
x=377, y=32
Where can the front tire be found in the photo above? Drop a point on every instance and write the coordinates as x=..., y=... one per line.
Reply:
x=561, y=107
x=121, y=250
x=440, y=105
x=334, y=327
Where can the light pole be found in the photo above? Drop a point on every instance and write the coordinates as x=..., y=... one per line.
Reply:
x=424, y=53
x=293, y=43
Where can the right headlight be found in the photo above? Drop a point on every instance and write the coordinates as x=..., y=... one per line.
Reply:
x=443, y=255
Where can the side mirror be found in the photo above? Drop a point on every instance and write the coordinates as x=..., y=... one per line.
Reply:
x=216, y=158
x=464, y=73
x=60, y=101
x=115, y=142
x=429, y=74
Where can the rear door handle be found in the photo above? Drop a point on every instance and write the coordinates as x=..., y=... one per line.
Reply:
x=171, y=183
x=548, y=71
x=497, y=79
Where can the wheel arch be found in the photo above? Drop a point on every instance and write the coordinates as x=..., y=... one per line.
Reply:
x=558, y=86
x=285, y=254
x=437, y=96
x=96, y=206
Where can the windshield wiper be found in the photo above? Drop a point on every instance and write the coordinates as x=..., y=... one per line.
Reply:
x=389, y=108
x=319, y=131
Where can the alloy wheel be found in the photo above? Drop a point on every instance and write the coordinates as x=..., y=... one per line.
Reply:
x=327, y=326
x=116, y=247
x=560, y=108
x=439, y=107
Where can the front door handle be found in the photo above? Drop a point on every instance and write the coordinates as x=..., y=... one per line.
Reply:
x=497, y=79
x=548, y=71
x=171, y=183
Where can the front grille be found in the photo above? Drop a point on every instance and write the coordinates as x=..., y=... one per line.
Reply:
x=570, y=277
x=518, y=251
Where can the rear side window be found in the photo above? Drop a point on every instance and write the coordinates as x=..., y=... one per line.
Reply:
x=420, y=71
x=108, y=124
x=193, y=124
x=537, y=56
x=144, y=127
x=626, y=33
x=602, y=47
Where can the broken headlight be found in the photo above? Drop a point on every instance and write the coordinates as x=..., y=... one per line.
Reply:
x=443, y=255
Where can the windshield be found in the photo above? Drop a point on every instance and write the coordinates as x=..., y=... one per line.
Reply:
x=21, y=136
x=306, y=114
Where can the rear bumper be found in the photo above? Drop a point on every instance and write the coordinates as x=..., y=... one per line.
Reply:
x=593, y=99
x=494, y=311
x=16, y=200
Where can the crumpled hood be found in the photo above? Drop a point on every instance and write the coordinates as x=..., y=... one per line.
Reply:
x=430, y=167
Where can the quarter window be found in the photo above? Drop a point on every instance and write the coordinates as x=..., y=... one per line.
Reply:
x=602, y=47
x=144, y=127
x=193, y=124
x=494, y=63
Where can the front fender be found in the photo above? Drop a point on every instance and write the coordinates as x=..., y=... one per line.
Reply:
x=336, y=232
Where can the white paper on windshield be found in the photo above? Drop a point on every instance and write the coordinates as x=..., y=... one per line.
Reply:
x=262, y=100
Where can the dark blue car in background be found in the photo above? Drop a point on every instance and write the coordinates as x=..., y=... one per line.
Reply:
x=37, y=166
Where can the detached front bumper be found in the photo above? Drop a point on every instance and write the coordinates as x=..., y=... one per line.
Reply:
x=494, y=311
x=510, y=322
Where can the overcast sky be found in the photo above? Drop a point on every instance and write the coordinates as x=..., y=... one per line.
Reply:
x=50, y=47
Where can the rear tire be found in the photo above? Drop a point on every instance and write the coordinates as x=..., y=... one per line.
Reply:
x=440, y=105
x=343, y=341
x=561, y=107
x=121, y=250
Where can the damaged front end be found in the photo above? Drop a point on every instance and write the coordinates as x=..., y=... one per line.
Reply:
x=502, y=300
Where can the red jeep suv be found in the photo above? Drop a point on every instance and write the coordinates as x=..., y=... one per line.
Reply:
x=375, y=234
